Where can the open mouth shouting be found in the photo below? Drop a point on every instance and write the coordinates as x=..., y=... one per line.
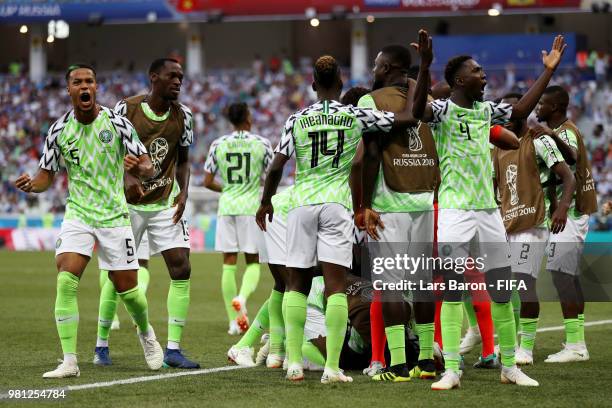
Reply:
x=85, y=100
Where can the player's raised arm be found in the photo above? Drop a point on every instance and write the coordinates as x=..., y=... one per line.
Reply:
x=503, y=138
x=421, y=109
x=41, y=181
x=406, y=118
x=48, y=164
x=551, y=61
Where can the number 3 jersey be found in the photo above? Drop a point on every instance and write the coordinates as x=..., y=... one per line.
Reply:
x=93, y=156
x=324, y=138
x=462, y=142
x=240, y=158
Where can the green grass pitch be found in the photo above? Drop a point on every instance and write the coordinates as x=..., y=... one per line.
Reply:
x=29, y=347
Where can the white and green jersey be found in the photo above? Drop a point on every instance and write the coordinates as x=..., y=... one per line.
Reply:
x=93, y=156
x=462, y=143
x=316, y=296
x=281, y=202
x=324, y=138
x=241, y=159
x=386, y=200
x=570, y=138
x=547, y=155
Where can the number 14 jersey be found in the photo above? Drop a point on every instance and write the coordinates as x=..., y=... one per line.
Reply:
x=324, y=138
x=241, y=158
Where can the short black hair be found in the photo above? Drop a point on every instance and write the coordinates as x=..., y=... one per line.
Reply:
x=511, y=95
x=399, y=56
x=237, y=113
x=79, y=65
x=352, y=96
x=559, y=94
x=452, y=66
x=326, y=71
x=159, y=63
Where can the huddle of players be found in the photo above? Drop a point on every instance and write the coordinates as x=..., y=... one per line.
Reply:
x=309, y=226
x=317, y=210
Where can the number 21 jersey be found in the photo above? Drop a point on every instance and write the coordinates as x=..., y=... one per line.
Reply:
x=324, y=138
x=241, y=159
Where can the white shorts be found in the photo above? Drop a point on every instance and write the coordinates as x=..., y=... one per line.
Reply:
x=321, y=232
x=273, y=248
x=116, y=245
x=162, y=232
x=565, y=248
x=359, y=236
x=408, y=233
x=315, y=324
x=527, y=250
x=237, y=233
x=143, y=251
x=458, y=228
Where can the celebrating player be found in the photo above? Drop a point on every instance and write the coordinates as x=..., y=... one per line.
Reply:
x=522, y=176
x=468, y=211
x=157, y=204
x=565, y=248
x=402, y=191
x=323, y=138
x=96, y=145
x=241, y=159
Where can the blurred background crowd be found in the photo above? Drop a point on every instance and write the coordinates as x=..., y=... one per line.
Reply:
x=273, y=89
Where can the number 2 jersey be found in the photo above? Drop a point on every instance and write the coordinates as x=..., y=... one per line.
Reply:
x=324, y=138
x=93, y=156
x=241, y=158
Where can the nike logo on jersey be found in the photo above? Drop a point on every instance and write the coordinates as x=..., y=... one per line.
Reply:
x=460, y=115
x=130, y=261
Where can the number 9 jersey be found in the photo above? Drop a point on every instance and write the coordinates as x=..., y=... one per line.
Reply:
x=240, y=158
x=324, y=138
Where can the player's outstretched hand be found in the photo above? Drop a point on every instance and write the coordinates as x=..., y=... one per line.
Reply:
x=372, y=223
x=179, y=202
x=552, y=59
x=540, y=130
x=263, y=211
x=24, y=183
x=424, y=47
x=558, y=221
x=130, y=164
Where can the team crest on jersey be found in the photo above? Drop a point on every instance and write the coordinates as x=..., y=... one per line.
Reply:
x=105, y=136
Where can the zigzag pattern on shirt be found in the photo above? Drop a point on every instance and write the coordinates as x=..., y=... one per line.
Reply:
x=51, y=153
x=187, y=136
x=126, y=130
x=121, y=108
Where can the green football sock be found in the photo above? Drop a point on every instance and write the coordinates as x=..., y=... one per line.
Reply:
x=178, y=306
x=67, y=311
x=228, y=288
x=277, y=324
x=143, y=279
x=249, y=280
x=103, y=277
x=294, y=324
x=581, y=326
x=397, y=344
x=451, y=319
x=528, y=332
x=336, y=317
x=572, y=331
x=470, y=312
x=136, y=304
x=256, y=329
x=284, y=308
x=516, y=308
x=503, y=319
x=425, y=331
x=313, y=354
x=107, y=309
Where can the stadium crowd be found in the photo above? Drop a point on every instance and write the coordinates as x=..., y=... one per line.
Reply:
x=273, y=93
